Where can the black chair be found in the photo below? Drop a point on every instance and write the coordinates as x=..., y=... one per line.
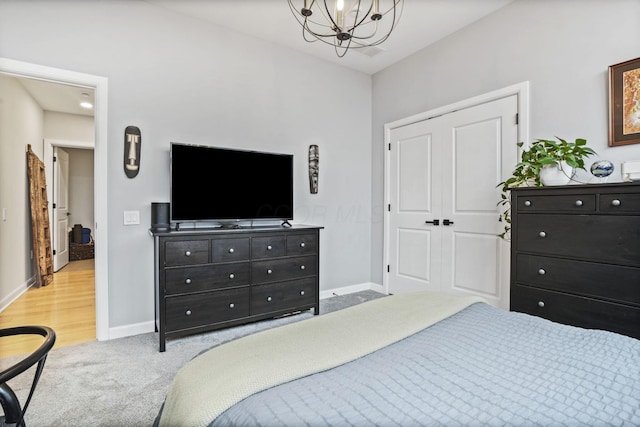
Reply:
x=13, y=413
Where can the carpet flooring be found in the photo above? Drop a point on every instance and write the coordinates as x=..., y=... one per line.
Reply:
x=123, y=382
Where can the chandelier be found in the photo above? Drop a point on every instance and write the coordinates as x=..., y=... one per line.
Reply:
x=347, y=23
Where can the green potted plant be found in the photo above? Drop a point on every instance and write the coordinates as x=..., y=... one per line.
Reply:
x=542, y=154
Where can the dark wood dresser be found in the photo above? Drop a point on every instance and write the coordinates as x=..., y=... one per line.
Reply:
x=208, y=279
x=575, y=255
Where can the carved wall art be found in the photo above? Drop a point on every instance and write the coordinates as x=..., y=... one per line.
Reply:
x=132, y=143
x=314, y=159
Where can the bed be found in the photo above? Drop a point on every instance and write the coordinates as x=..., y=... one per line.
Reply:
x=412, y=359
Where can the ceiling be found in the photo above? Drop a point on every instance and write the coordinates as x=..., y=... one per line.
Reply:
x=422, y=23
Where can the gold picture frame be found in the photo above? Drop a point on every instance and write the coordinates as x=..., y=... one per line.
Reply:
x=624, y=103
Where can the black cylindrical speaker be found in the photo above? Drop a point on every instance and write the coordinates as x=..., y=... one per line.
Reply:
x=160, y=217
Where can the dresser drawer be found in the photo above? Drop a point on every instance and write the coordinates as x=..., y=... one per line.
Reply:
x=302, y=244
x=602, y=238
x=578, y=311
x=186, y=252
x=606, y=281
x=575, y=203
x=193, y=279
x=283, y=295
x=283, y=269
x=268, y=247
x=225, y=250
x=619, y=203
x=201, y=309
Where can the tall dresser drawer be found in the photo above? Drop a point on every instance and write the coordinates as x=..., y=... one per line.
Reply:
x=283, y=269
x=611, y=238
x=278, y=296
x=619, y=203
x=200, y=309
x=210, y=277
x=561, y=203
x=226, y=250
x=186, y=252
x=301, y=244
x=606, y=281
x=578, y=311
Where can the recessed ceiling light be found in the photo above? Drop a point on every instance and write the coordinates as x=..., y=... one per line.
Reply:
x=86, y=105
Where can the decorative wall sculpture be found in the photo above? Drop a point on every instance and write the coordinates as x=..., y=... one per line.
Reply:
x=132, y=143
x=314, y=159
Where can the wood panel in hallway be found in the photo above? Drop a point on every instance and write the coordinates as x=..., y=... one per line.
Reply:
x=67, y=305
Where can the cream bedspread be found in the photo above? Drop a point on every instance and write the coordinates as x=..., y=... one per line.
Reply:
x=214, y=381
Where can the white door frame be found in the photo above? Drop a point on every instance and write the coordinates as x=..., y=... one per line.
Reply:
x=100, y=86
x=519, y=89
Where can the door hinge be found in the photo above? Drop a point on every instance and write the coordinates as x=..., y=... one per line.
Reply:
x=388, y=269
x=54, y=251
x=517, y=118
x=55, y=159
x=389, y=146
x=54, y=206
x=389, y=207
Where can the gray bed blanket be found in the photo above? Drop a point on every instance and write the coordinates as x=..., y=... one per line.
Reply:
x=480, y=367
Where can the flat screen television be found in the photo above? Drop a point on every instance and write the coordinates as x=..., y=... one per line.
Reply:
x=225, y=185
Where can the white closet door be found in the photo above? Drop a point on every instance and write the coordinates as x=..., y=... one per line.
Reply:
x=61, y=209
x=447, y=169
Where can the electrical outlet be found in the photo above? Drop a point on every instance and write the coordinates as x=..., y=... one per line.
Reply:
x=131, y=217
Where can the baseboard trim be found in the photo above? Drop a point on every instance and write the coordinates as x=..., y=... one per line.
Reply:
x=17, y=293
x=130, y=330
x=146, y=327
x=367, y=286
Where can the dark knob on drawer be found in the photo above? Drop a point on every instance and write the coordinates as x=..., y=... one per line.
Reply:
x=615, y=202
x=301, y=292
x=231, y=250
x=231, y=276
x=232, y=305
x=542, y=234
x=302, y=267
x=542, y=271
x=527, y=202
x=187, y=253
x=541, y=304
x=269, y=271
x=187, y=281
x=268, y=298
x=269, y=247
x=302, y=245
x=578, y=203
x=188, y=312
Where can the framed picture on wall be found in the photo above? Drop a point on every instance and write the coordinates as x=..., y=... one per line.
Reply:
x=624, y=103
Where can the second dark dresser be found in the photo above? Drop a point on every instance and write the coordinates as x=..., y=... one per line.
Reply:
x=575, y=255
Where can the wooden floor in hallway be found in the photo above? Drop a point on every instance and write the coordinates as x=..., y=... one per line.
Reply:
x=67, y=305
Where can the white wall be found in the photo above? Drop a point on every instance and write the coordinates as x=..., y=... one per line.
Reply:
x=20, y=125
x=180, y=79
x=562, y=47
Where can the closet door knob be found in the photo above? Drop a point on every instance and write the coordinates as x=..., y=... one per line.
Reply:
x=615, y=202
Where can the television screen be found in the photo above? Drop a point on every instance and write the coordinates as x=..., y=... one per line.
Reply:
x=221, y=184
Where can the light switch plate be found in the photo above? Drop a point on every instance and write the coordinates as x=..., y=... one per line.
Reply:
x=131, y=217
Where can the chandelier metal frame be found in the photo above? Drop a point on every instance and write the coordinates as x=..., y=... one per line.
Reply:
x=346, y=23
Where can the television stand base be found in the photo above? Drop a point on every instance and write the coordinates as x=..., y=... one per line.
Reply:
x=285, y=223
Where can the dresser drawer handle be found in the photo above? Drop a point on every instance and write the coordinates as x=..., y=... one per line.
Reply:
x=187, y=281
x=615, y=202
x=269, y=247
x=527, y=202
x=302, y=267
x=269, y=299
x=302, y=245
x=541, y=304
x=232, y=305
x=231, y=250
x=542, y=234
x=578, y=203
x=301, y=292
x=269, y=271
x=187, y=253
x=542, y=271
x=232, y=276
x=188, y=312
